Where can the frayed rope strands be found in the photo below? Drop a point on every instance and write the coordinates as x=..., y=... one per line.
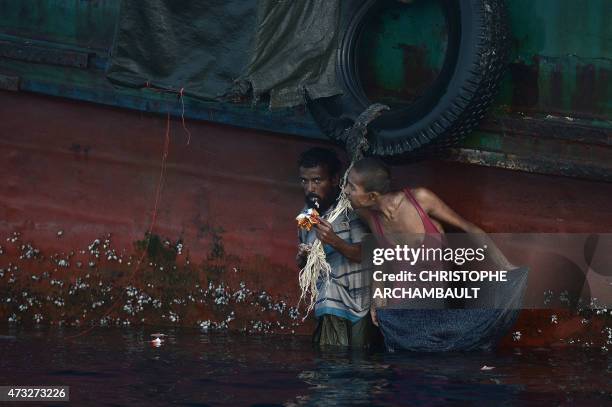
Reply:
x=316, y=262
x=181, y=97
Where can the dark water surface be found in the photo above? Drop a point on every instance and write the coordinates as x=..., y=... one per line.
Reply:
x=120, y=367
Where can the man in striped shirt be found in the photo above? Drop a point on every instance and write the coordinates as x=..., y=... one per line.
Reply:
x=343, y=302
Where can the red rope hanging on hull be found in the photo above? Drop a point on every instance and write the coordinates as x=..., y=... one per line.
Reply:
x=158, y=193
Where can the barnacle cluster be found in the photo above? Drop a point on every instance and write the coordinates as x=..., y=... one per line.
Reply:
x=79, y=286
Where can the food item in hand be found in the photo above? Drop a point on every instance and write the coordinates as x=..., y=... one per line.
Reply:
x=308, y=219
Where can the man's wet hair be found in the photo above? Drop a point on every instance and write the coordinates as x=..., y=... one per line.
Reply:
x=319, y=156
x=375, y=175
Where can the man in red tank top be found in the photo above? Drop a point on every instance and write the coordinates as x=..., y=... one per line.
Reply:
x=415, y=211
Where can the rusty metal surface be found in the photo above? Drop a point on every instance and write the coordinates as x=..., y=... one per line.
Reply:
x=43, y=55
x=561, y=61
x=74, y=174
x=537, y=164
x=82, y=23
x=78, y=193
x=561, y=57
x=9, y=82
x=571, y=86
x=560, y=66
x=401, y=51
x=229, y=197
x=566, y=129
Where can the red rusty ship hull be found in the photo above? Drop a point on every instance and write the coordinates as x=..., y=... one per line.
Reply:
x=74, y=172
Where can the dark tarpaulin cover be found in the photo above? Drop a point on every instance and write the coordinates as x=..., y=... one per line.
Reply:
x=201, y=46
x=295, y=49
x=216, y=49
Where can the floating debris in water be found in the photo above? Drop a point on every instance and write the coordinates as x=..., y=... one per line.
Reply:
x=157, y=342
x=485, y=368
x=516, y=336
x=60, y=233
x=554, y=319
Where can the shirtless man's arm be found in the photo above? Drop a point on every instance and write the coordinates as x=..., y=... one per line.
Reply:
x=437, y=209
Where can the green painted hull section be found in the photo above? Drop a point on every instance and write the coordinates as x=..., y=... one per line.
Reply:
x=557, y=81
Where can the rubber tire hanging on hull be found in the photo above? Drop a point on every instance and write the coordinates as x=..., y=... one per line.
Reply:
x=478, y=44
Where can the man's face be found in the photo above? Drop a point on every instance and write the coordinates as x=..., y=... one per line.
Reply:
x=319, y=186
x=355, y=193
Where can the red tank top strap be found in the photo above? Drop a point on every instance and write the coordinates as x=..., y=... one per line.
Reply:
x=428, y=225
x=379, y=229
